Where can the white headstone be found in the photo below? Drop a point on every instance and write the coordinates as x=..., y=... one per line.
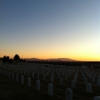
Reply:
x=29, y=82
x=38, y=85
x=97, y=98
x=61, y=80
x=89, y=87
x=22, y=79
x=73, y=83
x=17, y=77
x=98, y=76
x=50, y=89
x=69, y=94
x=98, y=82
x=85, y=80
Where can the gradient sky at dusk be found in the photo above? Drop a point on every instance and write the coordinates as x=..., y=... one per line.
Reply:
x=50, y=29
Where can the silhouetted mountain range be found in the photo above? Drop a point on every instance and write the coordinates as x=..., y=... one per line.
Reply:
x=61, y=59
x=50, y=59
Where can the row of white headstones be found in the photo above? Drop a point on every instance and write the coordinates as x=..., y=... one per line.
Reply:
x=69, y=92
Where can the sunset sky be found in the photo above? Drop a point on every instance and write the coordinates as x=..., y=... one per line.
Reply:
x=50, y=29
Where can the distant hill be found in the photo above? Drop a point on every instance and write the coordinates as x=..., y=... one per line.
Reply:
x=51, y=59
x=61, y=59
x=32, y=59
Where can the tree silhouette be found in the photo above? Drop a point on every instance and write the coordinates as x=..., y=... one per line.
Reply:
x=5, y=59
x=22, y=60
x=11, y=61
x=16, y=57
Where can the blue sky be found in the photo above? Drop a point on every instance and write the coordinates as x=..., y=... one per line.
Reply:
x=50, y=28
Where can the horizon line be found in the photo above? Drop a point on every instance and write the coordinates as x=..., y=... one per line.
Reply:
x=58, y=58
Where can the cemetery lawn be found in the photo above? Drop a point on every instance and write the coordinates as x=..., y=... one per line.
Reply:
x=12, y=90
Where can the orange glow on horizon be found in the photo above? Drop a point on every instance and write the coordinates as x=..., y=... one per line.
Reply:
x=78, y=56
x=53, y=57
